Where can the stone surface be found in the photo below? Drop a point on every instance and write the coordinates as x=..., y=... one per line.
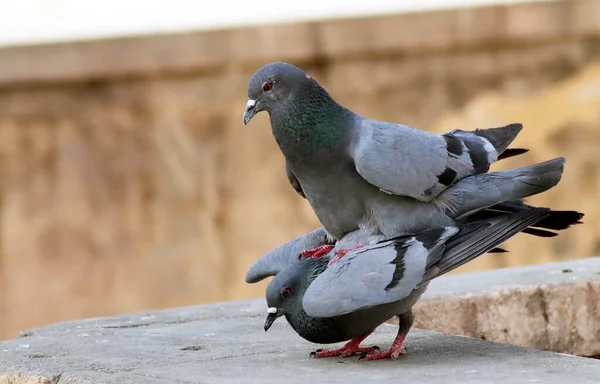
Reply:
x=129, y=181
x=225, y=343
x=553, y=306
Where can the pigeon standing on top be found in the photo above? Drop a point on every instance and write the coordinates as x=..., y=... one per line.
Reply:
x=327, y=302
x=383, y=178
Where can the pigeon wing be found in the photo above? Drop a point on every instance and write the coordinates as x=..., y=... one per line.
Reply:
x=375, y=274
x=404, y=161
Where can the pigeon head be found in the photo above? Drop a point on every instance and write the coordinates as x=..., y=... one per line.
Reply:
x=271, y=85
x=286, y=291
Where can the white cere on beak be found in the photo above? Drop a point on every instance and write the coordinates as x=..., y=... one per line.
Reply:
x=250, y=103
x=272, y=310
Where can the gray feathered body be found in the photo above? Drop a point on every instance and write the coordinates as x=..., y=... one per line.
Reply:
x=390, y=179
x=345, y=327
x=327, y=330
x=336, y=302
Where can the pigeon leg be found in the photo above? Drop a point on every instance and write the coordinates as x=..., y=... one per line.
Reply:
x=396, y=350
x=342, y=252
x=317, y=252
x=349, y=349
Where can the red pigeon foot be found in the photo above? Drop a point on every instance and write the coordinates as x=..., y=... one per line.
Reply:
x=395, y=351
x=350, y=348
x=317, y=252
x=342, y=252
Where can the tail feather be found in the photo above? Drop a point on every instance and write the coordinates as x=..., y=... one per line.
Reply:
x=485, y=146
x=560, y=220
x=500, y=137
x=510, y=152
x=540, y=232
x=475, y=239
x=555, y=221
x=481, y=191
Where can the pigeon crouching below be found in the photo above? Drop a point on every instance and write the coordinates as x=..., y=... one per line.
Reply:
x=329, y=303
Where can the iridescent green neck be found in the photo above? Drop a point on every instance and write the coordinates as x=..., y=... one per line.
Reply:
x=316, y=125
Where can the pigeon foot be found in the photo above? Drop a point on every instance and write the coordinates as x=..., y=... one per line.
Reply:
x=342, y=252
x=350, y=348
x=343, y=351
x=317, y=252
x=395, y=351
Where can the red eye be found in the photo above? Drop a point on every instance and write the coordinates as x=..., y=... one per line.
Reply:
x=286, y=292
x=267, y=87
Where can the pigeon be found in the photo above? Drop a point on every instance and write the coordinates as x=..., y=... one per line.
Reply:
x=384, y=178
x=327, y=301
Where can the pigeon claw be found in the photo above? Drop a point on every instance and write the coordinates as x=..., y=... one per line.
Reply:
x=395, y=351
x=350, y=348
x=392, y=354
x=344, y=351
x=342, y=252
x=317, y=252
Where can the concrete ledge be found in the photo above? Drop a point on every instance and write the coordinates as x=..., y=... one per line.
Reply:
x=223, y=49
x=553, y=307
x=225, y=343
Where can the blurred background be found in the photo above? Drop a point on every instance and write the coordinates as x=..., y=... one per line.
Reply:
x=129, y=182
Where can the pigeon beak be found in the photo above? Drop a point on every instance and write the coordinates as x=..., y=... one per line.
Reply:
x=271, y=317
x=251, y=110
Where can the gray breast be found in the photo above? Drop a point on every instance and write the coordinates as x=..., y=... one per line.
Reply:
x=351, y=325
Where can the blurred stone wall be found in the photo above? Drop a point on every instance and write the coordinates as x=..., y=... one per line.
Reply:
x=129, y=181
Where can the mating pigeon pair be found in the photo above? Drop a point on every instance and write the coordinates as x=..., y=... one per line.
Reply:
x=391, y=187
x=328, y=302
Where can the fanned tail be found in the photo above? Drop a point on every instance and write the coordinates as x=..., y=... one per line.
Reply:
x=555, y=220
